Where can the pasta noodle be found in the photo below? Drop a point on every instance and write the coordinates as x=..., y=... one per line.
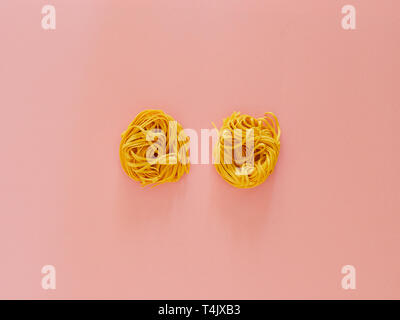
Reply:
x=262, y=153
x=153, y=149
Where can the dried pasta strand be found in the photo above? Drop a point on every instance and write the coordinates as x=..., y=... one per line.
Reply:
x=266, y=148
x=168, y=167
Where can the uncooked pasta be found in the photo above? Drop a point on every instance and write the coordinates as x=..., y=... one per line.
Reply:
x=153, y=150
x=247, y=149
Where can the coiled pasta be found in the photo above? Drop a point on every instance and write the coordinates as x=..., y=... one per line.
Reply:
x=247, y=149
x=153, y=149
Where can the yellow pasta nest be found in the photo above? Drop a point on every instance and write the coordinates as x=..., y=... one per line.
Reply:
x=247, y=149
x=153, y=149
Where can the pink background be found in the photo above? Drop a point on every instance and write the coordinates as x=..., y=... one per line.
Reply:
x=66, y=96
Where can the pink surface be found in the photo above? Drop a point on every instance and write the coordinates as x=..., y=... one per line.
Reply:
x=66, y=96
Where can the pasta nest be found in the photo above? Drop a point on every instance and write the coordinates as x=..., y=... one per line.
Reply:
x=244, y=164
x=154, y=150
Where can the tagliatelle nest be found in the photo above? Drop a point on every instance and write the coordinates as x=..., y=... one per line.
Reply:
x=153, y=149
x=242, y=162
